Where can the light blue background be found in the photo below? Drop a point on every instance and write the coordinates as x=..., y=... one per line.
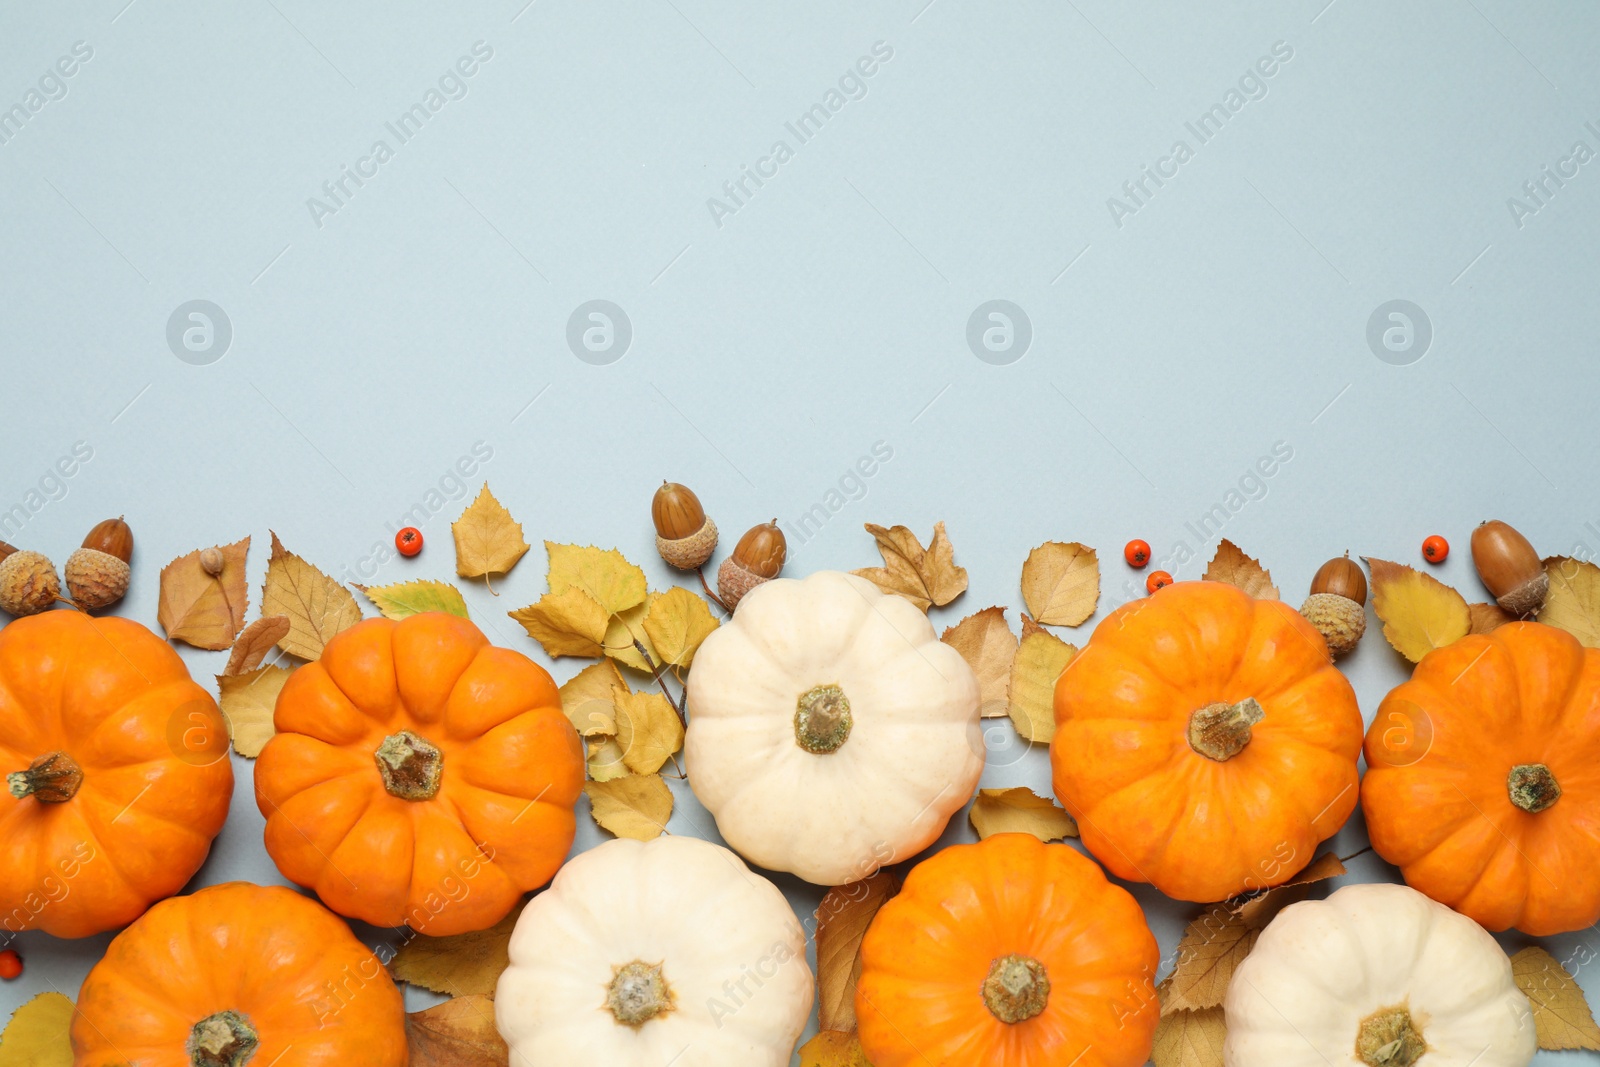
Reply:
x=770, y=352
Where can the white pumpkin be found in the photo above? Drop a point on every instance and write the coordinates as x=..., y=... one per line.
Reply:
x=1376, y=976
x=830, y=731
x=656, y=953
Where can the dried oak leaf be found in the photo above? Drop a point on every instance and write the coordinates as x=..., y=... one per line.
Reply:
x=625, y=632
x=1419, y=612
x=202, y=610
x=1561, y=1016
x=318, y=607
x=566, y=624
x=587, y=701
x=1061, y=583
x=1189, y=1038
x=1573, y=603
x=1486, y=618
x=252, y=645
x=605, y=759
x=923, y=576
x=605, y=574
x=636, y=805
x=986, y=642
x=834, y=1048
x=247, y=702
x=1040, y=660
x=676, y=622
x=404, y=599
x=488, y=540
x=842, y=920
x=648, y=729
x=1020, y=810
x=458, y=965
x=38, y=1033
x=457, y=1033
x=1232, y=566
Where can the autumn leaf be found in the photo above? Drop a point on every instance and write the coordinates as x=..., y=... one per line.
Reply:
x=457, y=1033
x=405, y=599
x=636, y=806
x=318, y=607
x=625, y=628
x=1029, y=626
x=566, y=624
x=648, y=729
x=488, y=540
x=587, y=701
x=1259, y=909
x=38, y=1034
x=1419, y=612
x=1040, y=660
x=1232, y=566
x=1561, y=1016
x=1573, y=602
x=614, y=583
x=986, y=642
x=676, y=622
x=1190, y=1038
x=1486, y=618
x=833, y=1048
x=842, y=920
x=605, y=759
x=1061, y=583
x=1019, y=810
x=247, y=702
x=458, y=965
x=202, y=610
x=252, y=646
x=922, y=576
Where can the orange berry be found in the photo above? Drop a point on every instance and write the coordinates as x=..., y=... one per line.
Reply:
x=1435, y=549
x=1157, y=580
x=10, y=964
x=408, y=542
x=1136, y=552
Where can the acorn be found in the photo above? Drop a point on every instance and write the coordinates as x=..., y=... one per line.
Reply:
x=1337, y=606
x=1510, y=568
x=97, y=573
x=757, y=558
x=685, y=536
x=28, y=581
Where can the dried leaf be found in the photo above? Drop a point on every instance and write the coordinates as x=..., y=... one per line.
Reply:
x=318, y=607
x=1419, y=612
x=566, y=624
x=488, y=540
x=834, y=1048
x=842, y=920
x=676, y=622
x=648, y=729
x=587, y=701
x=986, y=642
x=1190, y=1039
x=1040, y=660
x=1486, y=618
x=1232, y=566
x=605, y=760
x=1019, y=810
x=1258, y=909
x=457, y=1033
x=614, y=583
x=38, y=1033
x=1211, y=947
x=625, y=628
x=1029, y=626
x=200, y=610
x=636, y=806
x=922, y=576
x=252, y=646
x=458, y=965
x=1573, y=603
x=1561, y=1016
x=247, y=702
x=1061, y=583
x=404, y=599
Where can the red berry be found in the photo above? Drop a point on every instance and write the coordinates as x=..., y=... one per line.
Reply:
x=1435, y=549
x=10, y=964
x=408, y=541
x=1157, y=580
x=1136, y=552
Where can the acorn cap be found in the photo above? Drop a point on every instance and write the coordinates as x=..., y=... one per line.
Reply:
x=1340, y=620
x=734, y=580
x=28, y=583
x=689, y=553
x=96, y=579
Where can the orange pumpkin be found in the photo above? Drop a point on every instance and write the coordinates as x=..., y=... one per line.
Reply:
x=1483, y=779
x=1205, y=741
x=1008, y=953
x=117, y=771
x=239, y=974
x=420, y=775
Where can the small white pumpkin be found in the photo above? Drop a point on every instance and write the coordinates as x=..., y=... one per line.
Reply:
x=645, y=954
x=830, y=730
x=1376, y=976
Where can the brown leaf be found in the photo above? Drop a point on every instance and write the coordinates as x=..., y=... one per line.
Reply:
x=1211, y=947
x=252, y=646
x=587, y=701
x=37, y=1035
x=458, y=965
x=1258, y=909
x=1486, y=618
x=833, y=1048
x=842, y=920
x=488, y=540
x=986, y=642
x=1232, y=566
x=1419, y=612
x=247, y=702
x=1040, y=660
x=1031, y=627
x=200, y=610
x=1020, y=810
x=457, y=1033
x=922, y=576
x=1190, y=1039
x=1061, y=583
x=318, y=607
x=1573, y=603
x=1561, y=1016
x=648, y=729
x=636, y=805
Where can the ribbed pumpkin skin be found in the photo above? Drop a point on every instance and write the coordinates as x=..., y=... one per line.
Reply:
x=1439, y=756
x=1153, y=809
x=315, y=995
x=512, y=769
x=925, y=958
x=156, y=774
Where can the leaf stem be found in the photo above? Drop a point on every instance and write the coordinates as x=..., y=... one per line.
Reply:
x=715, y=599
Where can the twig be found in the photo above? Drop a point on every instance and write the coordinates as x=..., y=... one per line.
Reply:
x=701, y=571
x=657, y=673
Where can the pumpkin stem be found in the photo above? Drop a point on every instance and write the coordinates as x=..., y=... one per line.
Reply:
x=411, y=766
x=1016, y=989
x=822, y=719
x=51, y=779
x=638, y=993
x=1389, y=1038
x=1220, y=731
x=1532, y=787
x=225, y=1039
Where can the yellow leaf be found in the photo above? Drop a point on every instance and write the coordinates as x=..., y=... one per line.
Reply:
x=1061, y=583
x=637, y=806
x=1486, y=618
x=842, y=920
x=1419, y=612
x=247, y=703
x=648, y=729
x=566, y=624
x=833, y=1048
x=252, y=646
x=488, y=540
x=986, y=642
x=605, y=759
x=1019, y=811
x=38, y=1034
x=200, y=610
x=1211, y=947
x=1190, y=1039
x=1573, y=603
x=614, y=583
x=1232, y=566
x=922, y=576
x=1561, y=1017
x=405, y=599
x=586, y=699
x=1040, y=660
x=458, y=965
x=676, y=622
x=457, y=1033
x=318, y=607
x=623, y=630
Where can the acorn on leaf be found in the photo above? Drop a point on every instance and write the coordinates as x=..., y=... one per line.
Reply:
x=1337, y=606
